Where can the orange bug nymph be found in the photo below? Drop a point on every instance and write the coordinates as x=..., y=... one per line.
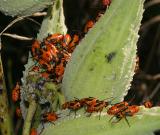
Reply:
x=88, y=25
x=50, y=117
x=33, y=132
x=35, y=49
x=54, y=38
x=127, y=111
x=90, y=101
x=71, y=46
x=106, y=3
x=35, y=69
x=18, y=112
x=117, y=108
x=72, y=105
x=148, y=104
x=16, y=93
x=66, y=40
x=98, y=107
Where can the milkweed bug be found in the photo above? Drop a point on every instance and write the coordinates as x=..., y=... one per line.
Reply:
x=54, y=38
x=50, y=117
x=148, y=104
x=53, y=50
x=35, y=49
x=33, y=132
x=113, y=110
x=66, y=40
x=130, y=110
x=71, y=46
x=47, y=56
x=126, y=111
x=45, y=75
x=59, y=71
x=88, y=25
x=18, y=112
x=45, y=65
x=35, y=68
x=16, y=93
x=72, y=105
x=97, y=108
x=106, y=3
x=90, y=101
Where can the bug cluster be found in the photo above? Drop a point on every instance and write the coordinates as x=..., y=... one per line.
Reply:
x=53, y=53
x=16, y=99
x=93, y=105
x=119, y=110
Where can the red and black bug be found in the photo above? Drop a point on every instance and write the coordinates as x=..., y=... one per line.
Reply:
x=88, y=25
x=18, y=112
x=122, y=110
x=72, y=105
x=72, y=45
x=98, y=107
x=113, y=110
x=50, y=117
x=128, y=111
x=106, y=3
x=16, y=93
x=33, y=132
x=90, y=101
x=148, y=104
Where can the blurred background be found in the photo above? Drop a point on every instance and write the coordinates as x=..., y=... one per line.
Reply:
x=146, y=82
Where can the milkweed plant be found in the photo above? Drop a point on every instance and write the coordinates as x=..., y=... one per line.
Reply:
x=100, y=69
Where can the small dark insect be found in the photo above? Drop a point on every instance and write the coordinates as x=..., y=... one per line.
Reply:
x=1, y=120
x=1, y=90
x=109, y=57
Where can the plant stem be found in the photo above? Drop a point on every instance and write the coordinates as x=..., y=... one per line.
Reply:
x=30, y=114
x=5, y=119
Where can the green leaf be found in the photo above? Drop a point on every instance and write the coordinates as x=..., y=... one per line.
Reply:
x=103, y=64
x=144, y=123
x=54, y=22
x=23, y=7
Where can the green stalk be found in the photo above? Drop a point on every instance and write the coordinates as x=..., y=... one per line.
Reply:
x=30, y=114
x=5, y=118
